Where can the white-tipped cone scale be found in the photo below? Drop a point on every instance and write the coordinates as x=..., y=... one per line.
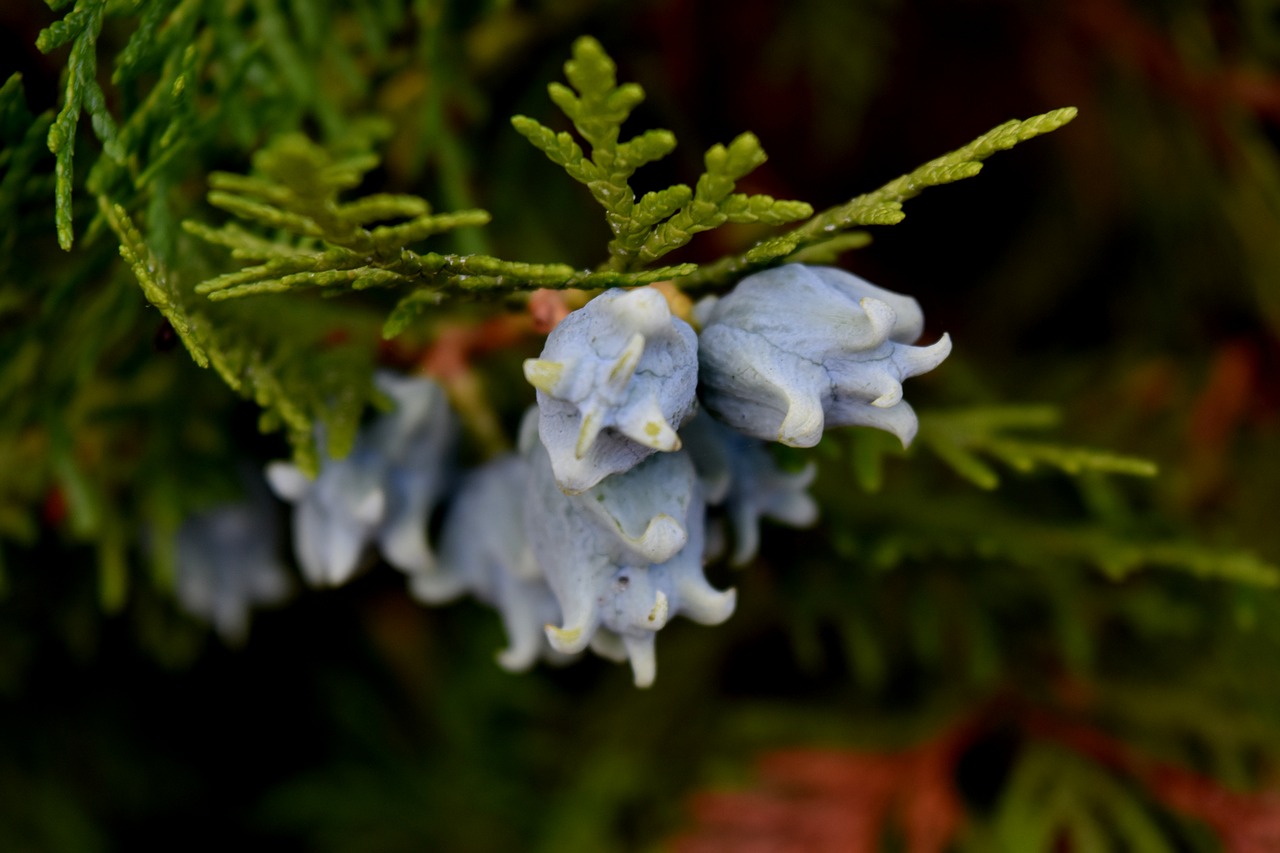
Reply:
x=881, y=318
x=226, y=564
x=622, y=558
x=643, y=657
x=592, y=422
x=645, y=423
x=796, y=350
x=615, y=381
x=382, y=492
x=484, y=552
x=705, y=604
x=624, y=369
x=543, y=374
x=912, y=361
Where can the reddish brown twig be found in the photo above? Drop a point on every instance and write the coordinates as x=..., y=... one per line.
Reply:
x=547, y=308
x=457, y=346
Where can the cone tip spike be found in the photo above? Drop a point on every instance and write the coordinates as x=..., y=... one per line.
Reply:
x=592, y=424
x=802, y=427
x=650, y=428
x=543, y=374
x=662, y=539
x=569, y=641
x=881, y=316
x=890, y=392
x=659, y=613
x=644, y=664
x=916, y=360
x=625, y=366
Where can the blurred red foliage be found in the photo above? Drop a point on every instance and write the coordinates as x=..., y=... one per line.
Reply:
x=838, y=801
x=826, y=801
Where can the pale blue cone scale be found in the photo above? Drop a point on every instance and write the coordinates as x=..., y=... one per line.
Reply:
x=795, y=350
x=597, y=560
x=227, y=563
x=484, y=552
x=616, y=380
x=646, y=508
x=383, y=492
x=738, y=472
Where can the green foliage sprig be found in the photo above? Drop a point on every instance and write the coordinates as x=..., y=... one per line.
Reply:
x=296, y=184
x=196, y=74
x=961, y=439
x=295, y=190
x=663, y=220
x=22, y=138
x=1054, y=793
x=81, y=27
x=156, y=286
x=882, y=206
x=296, y=379
x=924, y=529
